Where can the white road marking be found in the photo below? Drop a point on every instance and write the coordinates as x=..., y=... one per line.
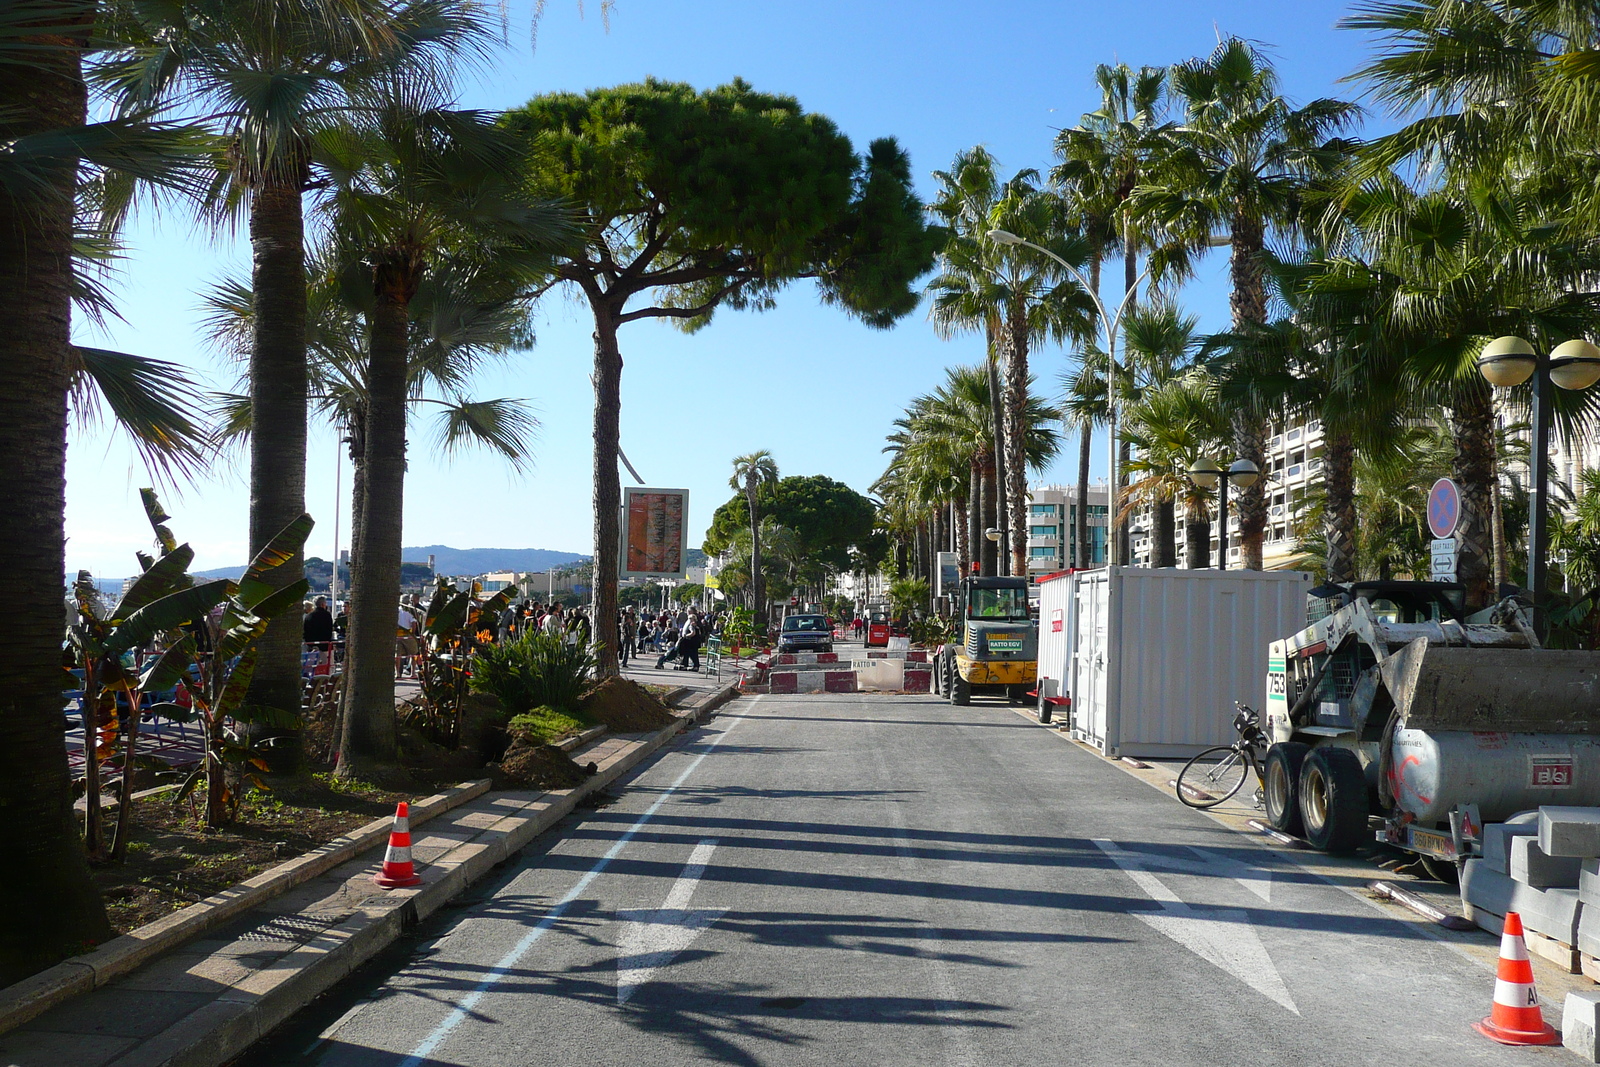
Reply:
x=651, y=937
x=460, y=1012
x=1222, y=937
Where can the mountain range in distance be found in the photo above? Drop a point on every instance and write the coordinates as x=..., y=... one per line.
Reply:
x=458, y=561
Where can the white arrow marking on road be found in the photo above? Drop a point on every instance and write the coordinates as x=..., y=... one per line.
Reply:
x=652, y=937
x=1222, y=937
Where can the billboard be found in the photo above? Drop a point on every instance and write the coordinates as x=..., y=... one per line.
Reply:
x=947, y=576
x=654, y=526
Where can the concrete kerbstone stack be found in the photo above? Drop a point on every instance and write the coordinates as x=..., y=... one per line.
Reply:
x=1497, y=837
x=1544, y=864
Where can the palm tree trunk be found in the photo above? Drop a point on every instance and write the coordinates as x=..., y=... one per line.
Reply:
x=1164, y=534
x=1248, y=302
x=997, y=405
x=1339, y=510
x=988, y=564
x=1081, y=555
x=975, y=503
x=1196, y=540
x=278, y=436
x=1472, y=422
x=607, y=486
x=963, y=531
x=1124, y=535
x=757, y=586
x=1130, y=284
x=1016, y=425
x=368, y=737
x=52, y=906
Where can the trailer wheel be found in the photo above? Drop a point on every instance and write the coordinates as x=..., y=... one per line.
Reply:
x=1441, y=870
x=1046, y=709
x=1282, y=774
x=960, y=688
x=1333, y=799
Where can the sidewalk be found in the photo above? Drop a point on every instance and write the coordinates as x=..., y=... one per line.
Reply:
x=203, y=1002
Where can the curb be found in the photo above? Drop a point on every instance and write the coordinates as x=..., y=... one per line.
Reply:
x=31, y=997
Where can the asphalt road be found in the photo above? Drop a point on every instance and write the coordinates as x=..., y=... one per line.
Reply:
x=890, y=880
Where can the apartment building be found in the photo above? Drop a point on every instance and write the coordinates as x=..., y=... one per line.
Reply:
x=1052, y=526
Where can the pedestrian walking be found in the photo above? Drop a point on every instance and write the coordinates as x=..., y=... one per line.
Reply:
x=669, y=639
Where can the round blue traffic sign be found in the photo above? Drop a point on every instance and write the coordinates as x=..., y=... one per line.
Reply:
x=1444, y=508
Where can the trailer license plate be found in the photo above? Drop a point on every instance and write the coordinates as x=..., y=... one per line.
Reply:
x=1550, y=772
x=1431, y=843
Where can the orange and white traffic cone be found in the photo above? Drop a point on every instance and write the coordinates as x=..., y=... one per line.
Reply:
x=1515, y=1018
x=398, y=870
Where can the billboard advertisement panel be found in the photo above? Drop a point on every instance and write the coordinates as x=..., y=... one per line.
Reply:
x=654, y=528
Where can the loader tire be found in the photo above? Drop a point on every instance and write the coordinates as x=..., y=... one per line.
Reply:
x=1282, y=787
x=960, y=688
x=936, y=675
x=1333, y=800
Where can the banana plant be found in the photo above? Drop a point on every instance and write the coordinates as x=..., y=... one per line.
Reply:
x=213, y=665
x=455, y=622
x=157, y=606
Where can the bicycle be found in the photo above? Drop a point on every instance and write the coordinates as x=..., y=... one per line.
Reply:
x=1219, y=772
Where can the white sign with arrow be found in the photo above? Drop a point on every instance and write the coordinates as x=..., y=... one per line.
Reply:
x=1222, y=937
x=651, y=938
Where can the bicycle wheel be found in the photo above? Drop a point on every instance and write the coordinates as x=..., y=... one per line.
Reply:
x=1212, y=777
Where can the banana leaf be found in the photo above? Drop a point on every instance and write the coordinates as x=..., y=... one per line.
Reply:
x=168, y=710
x=146, y=561
x=288, y=541
x=85, y=641
x=451, y=617
x=275, y=604
x=442, y=595
x=168, y=613
x=170, y=667
x=240, y=629
x=238, y=683
x=162, y=578
x=157, y=515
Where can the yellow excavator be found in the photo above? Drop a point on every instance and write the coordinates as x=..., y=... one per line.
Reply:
x=996, y=644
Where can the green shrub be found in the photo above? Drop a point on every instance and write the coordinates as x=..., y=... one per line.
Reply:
x=541, y=726
x=536, y=670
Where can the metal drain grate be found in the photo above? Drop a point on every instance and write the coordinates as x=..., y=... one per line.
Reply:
x=290, y=928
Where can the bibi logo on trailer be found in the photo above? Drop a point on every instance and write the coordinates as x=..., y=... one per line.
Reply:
x=1444, y=508
x=1055, y=621
x=1550, y=772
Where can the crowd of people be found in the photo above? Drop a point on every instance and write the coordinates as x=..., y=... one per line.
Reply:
x=675, y=637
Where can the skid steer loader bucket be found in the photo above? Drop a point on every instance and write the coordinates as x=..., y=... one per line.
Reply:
x=1509, y=690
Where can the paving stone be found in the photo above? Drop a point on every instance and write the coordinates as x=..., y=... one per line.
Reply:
x=188, y=972
x=1569, y=831
x=118, y=1012
x=1552, y=912
x=1580, y=1024
x=1497, y=835
x=41, y=1048
x=1531, y=866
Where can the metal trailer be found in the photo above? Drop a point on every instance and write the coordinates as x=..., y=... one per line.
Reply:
x=1160, y=657
x=1395, y=711
x=1057, y=626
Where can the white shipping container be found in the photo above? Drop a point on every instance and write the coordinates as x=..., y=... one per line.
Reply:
x=1161, y=655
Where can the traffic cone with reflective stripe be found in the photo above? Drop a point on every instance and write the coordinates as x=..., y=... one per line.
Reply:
x=1515, y=1018
x=398, y=870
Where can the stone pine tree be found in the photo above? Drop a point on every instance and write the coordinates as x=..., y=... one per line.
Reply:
x=696, y=200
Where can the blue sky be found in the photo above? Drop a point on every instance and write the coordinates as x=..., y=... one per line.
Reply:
x=814, y=387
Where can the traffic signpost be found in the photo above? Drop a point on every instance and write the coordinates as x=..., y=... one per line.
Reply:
x=1444, y=517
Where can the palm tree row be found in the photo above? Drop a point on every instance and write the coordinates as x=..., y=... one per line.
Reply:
x=1365, y=277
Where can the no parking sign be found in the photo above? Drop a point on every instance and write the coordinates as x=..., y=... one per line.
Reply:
x=1444, y=516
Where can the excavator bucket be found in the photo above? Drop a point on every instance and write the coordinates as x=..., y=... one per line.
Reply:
x=1509, y=690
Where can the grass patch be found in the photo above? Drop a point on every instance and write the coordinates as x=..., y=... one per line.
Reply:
x=544, y=726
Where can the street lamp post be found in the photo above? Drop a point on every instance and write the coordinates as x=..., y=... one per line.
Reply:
x=1509, y=361
x=1207, y=472
x=1109, y=324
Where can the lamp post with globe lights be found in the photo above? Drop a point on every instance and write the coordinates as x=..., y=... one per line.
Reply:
x=1207, y=472
x=1507, y=362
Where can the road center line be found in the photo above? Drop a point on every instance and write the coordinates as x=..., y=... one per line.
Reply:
x=510, y=959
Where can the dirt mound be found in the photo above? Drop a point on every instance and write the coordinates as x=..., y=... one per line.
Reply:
x=539, y=766
x=624, y=707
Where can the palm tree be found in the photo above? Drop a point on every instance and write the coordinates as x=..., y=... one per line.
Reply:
x=750, y=472
x=420, y=186
x=1012, y=293
x=61, y=175
x=1103, y=159
x=1085, y=403
x=280, y=80
x=1236, y=166
x=1173, y=424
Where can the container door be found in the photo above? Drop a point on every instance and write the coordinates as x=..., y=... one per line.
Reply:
x=1089, y=660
